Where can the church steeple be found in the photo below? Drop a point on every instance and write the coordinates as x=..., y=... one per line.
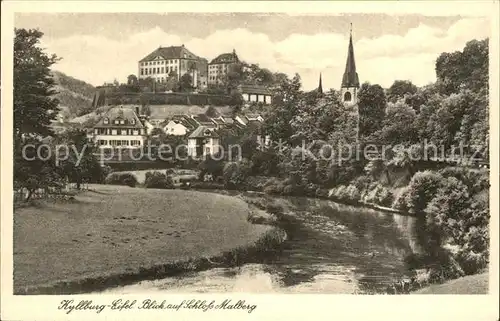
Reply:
x=350, y=80
x=320, y=86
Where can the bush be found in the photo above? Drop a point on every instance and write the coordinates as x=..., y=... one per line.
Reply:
x=476, y=181
x=472, y=262
x=158, y=180
x=235, y=174
x=274, y=186
x=400, y=201
x=346, y=194
x=275, y=210
x=379, y=195
x=127, y=179
x=421, y=190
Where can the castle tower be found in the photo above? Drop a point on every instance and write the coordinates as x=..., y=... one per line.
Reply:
x=350, y=81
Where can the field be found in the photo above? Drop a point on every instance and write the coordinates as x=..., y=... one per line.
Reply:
x=472, y=284
x=112, y=230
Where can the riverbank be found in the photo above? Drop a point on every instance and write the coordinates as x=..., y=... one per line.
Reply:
x=471, y=284
x=116, y=235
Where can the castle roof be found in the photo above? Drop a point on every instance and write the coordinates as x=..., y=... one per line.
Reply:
x=225, y=58
x=350, y=78
x=172, y=52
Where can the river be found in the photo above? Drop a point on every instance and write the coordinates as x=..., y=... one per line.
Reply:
x=331, y=248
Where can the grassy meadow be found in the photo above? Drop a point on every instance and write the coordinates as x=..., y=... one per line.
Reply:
x=112, y=230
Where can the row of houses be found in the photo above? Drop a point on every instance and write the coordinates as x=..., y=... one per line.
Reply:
x=121, y=127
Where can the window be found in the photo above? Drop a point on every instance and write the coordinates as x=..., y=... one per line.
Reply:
x=136, y=132
x=114, y=132
x=132, y=121
x=162, y=70
x=106, y=120
x=122, y=122
x=207, y=150
x=124, y=132
x=117, y=121
x=347, y=96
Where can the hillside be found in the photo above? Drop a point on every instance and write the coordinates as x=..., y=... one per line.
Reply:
x=75, y=96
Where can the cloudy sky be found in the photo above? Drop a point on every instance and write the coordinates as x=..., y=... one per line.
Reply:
x=98, y=47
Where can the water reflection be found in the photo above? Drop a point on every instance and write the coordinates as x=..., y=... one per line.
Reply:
x=331, y=248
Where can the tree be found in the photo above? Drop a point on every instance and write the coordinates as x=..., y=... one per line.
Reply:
x=212, y=112
x=34, y=104
x=400, y=89
x=236, y=102
x=264, y=77
x=468, y=69
x=316, y=119
x=286, y=101
x=34, y=166
x=399, y=125
x=372, y=104
x=186, y=82
x=81, y=164
x=132, y=80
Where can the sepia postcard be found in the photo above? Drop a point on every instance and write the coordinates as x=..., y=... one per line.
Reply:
x=249, y=160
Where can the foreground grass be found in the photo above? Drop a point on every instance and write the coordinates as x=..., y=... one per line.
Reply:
x=118, y=231
x=472, y=284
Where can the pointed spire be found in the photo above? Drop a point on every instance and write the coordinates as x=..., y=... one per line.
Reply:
x=320, y=86
x=350, y=78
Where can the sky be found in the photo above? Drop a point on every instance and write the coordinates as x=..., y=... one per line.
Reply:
x=99, y=47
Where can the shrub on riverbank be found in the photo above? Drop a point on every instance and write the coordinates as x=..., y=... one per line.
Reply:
x=345, y=194
x=127, y=179
x=379, y=195
x=452, y=225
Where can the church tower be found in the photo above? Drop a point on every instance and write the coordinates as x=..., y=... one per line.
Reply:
x=350, y=81
x=320, y=86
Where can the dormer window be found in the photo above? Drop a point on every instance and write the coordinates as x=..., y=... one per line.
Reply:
x=132, y=121
x=117, y=121
x=122, y=122
x=106, y=120
x=207, y=132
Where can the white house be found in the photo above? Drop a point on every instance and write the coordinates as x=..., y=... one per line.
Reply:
x=119, y=128
x=203, y=141
x=180, y=125
x=255, y=93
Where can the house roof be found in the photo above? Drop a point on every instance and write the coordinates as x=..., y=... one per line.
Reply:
x=184, y=120
x=227, y=119
x=254, y=89
x=127, y=114
x=172, y=52
x=203, y=119
x=225, y=58
x=252, y=116
x=242, y=118
x=203, y=131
